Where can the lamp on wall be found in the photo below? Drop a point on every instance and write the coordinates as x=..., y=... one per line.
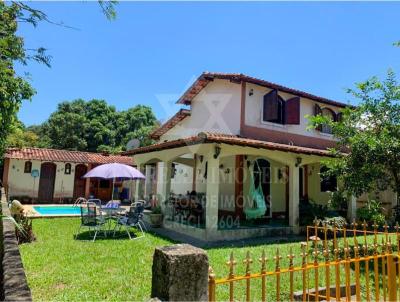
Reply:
x=251, y=92
x=201, y=157
x=217, y=151
x=298, y=161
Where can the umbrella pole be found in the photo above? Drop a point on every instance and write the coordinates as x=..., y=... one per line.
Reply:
x=112, y=193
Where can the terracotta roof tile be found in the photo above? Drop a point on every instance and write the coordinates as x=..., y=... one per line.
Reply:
x=66, y=156
x=206, y=77
x=209, y=137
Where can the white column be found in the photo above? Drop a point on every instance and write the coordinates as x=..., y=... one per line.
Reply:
x=294, y=199
x=212, y=195
x=165, y=183
x=352, y=207
x=138, y=183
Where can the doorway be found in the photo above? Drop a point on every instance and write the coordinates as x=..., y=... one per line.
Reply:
x=46, y=182
x=79, y=182
x=262, y=176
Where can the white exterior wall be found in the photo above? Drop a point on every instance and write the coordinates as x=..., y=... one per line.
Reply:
x=216, y=109
x=254, y=112
x=183, y=179
x=23, y=184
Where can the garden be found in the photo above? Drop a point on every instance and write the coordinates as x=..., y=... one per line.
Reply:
x=59, y=267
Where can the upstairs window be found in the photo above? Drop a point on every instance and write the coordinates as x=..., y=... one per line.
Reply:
x=28, y=167
x=273, y=108
x=277, y=110
x=67, y=168
x=328, y=113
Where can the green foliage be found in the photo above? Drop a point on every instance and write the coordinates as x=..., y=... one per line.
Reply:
x=20, y=137
x=309, y=210
x=13, y=88
x=338, y=222
x=96, y=126
x=371, y=212
x=370, y=136
x=338, y=201
x=156, y=210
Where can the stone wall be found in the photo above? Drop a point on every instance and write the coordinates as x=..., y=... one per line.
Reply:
x=14, y=286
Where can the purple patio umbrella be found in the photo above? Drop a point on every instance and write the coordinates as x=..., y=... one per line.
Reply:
x=113, y=171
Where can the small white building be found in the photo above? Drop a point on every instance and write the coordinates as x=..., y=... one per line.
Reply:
x=55, y=176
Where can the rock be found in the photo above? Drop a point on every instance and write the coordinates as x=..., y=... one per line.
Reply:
x=180, y=273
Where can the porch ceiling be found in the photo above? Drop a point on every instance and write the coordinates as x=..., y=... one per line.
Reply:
x=208, y=137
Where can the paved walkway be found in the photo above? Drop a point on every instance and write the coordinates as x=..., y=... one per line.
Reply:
x=179, y=237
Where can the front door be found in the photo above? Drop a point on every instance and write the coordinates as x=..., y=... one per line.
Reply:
x=46, y=182
x=79, y=182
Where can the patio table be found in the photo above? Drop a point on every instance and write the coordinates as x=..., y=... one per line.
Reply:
x=111, y=214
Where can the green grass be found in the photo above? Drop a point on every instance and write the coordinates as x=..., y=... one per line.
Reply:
x=61, y=268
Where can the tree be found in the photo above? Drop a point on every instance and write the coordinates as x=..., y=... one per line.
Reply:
x=96, y=126
x=20, y=137
x=367, y=156
x=14, y=88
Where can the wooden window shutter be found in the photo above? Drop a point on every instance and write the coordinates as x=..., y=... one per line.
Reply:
x=271, y=106
x=292, y=111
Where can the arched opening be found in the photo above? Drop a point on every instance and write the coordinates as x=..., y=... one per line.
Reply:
x=46, y=182
x=79, y=181
x=262, y=177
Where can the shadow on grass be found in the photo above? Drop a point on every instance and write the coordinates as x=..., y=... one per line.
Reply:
x=119, y=235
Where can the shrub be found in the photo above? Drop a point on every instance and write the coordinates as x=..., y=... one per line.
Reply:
x=156, y=210
x=331, y=222
x=309, y=210
x=371, y=212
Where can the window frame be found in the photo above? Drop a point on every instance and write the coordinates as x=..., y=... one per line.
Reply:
x=281, y=121
x=67, y=167
x=28, y=163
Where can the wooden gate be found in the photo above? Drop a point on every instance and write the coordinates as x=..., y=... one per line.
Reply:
x=46, y=183
x=79, y=182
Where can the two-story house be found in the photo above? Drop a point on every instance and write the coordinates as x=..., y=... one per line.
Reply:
x=238, y=158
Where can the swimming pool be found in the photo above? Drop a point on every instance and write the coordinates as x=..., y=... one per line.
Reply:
x=57, y=210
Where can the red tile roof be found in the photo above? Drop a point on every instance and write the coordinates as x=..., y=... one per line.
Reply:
x=206, y=77
x=66, y=156
x=208, y=137
x=179, y=116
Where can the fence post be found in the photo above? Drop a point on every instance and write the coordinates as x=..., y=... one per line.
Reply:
x=180, y=273
x=392, y=286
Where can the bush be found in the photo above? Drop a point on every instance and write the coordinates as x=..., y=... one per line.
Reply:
x=331, y=222
x=309, y=210
x=156, y=210
x=371, y=212
x=339, y=202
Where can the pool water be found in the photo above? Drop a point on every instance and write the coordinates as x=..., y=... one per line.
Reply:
x=57, y=210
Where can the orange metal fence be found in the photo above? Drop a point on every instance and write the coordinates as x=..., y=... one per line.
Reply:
x=336, y=267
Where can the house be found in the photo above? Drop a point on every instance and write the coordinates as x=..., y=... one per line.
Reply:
x=242, y=146
x=55, y=176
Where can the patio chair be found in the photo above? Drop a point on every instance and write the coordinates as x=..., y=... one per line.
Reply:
x=132, y=219
x=91, y=220
x=140, y=211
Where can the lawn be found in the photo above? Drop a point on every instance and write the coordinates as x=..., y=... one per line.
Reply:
x=61, y=268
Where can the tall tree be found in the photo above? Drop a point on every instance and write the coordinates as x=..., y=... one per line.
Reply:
x=96, y=126
x=14, y=88
x=369, y=135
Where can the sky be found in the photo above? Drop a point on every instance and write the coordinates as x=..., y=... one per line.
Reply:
x=153, y=51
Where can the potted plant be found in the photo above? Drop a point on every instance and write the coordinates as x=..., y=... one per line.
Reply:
x=156, y=217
